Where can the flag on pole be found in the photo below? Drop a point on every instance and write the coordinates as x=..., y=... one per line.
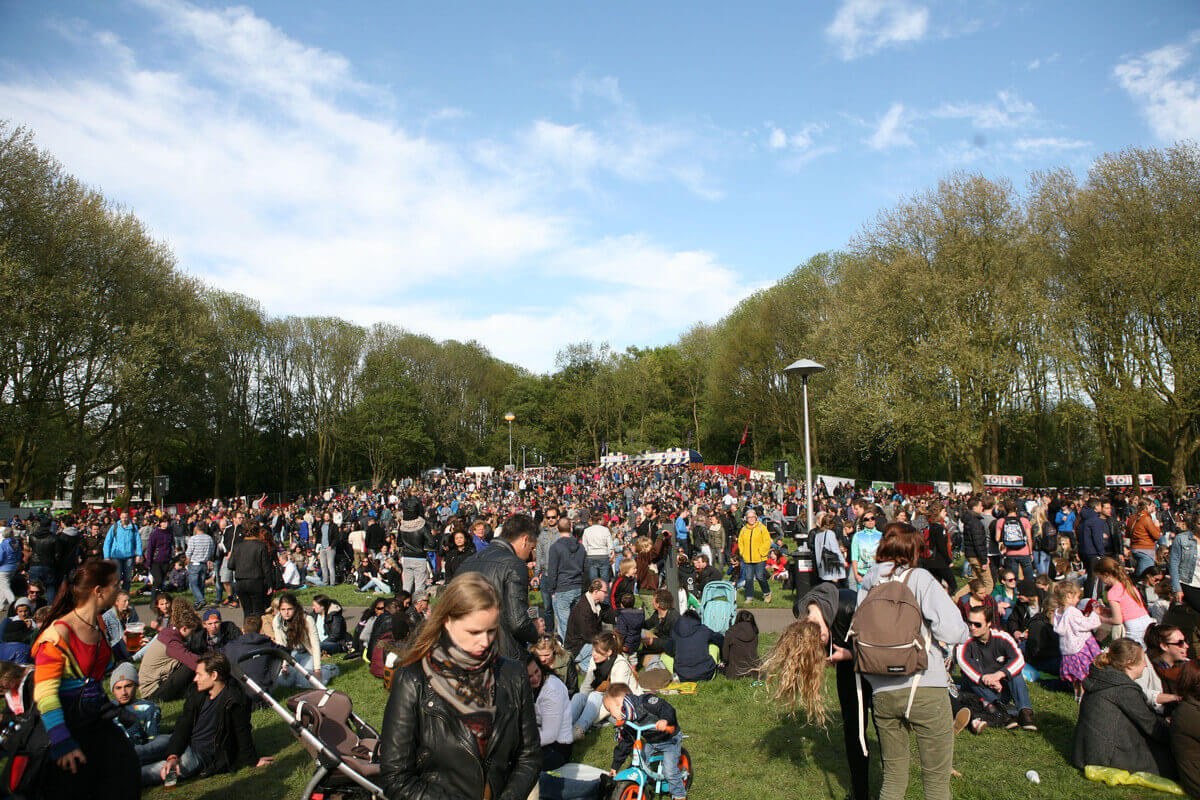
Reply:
x=744, y=432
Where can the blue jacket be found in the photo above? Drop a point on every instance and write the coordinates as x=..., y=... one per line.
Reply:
x=1181, y=559
x=1065, y=519
x=689, y=645
x=10, y=554
x=681, y=528
x=1091, y=538
x=122, y=541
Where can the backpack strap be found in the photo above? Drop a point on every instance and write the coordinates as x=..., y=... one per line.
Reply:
x=928, y=644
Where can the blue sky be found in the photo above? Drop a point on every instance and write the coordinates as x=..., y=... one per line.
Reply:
x=534, y=174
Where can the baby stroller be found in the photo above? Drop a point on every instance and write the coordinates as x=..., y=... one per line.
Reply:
x=343, y=746
x=718, y=605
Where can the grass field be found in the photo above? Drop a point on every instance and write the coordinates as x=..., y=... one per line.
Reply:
x=739, y=746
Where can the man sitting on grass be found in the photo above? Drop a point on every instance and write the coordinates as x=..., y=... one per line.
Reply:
x=991, y=665
x=212, y=734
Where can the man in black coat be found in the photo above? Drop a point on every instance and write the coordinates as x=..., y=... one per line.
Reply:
x=587, y=619
x=975, y=545
x=505, y=564
x=212, y=734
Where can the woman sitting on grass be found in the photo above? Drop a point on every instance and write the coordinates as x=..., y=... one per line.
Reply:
x=1116, y=726
x=609, y=665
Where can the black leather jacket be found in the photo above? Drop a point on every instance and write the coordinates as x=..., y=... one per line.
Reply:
x=426, y=753
x=499, y=563
x=45, y=548
x=413, y=544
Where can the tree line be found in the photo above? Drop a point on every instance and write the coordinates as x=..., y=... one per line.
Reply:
x=972, y=328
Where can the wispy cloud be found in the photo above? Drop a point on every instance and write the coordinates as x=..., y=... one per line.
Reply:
x=1039, y=62
x=1008, y=110
x=861, y=27
x=251, y=155
x=621, y=144
x=1168, y=98
x=1048, y=144
x=890, y=130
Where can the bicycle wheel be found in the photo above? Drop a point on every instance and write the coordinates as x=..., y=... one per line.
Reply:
x=624, y=790
x=685, y=767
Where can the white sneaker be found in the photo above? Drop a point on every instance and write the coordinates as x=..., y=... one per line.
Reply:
x=578, y=732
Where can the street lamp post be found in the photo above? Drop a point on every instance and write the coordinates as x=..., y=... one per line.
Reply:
x=805, y=367
x=509, y=417
x=522, y=458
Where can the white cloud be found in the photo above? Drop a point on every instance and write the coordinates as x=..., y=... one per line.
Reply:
x=861, y=27
x=1007, y=111
x=606, y=87
x=889, y=132
x=1038, y=63
x=1170, y=101
x=249, y=157
x=623, y=144
x=1048, y=144
x=802, y=139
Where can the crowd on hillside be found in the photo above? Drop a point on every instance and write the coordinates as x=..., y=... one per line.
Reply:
x=1092, y=592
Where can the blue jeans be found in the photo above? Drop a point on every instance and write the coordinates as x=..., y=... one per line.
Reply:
x=375, y=585
x=598, y=567
x=45, y=576
x=219, y=562
x=197, y=573
x=1041, y=562
x=153, y=750
x=585, y=655
x=585, y=708
x=1025, y=562
x=1013, y=687
x=562, y=602
x=125, y=569
x=752, y=571
x=547, y=609
x=295, y=679
x=1142, y=560
x=670, y=762
x=189, y=765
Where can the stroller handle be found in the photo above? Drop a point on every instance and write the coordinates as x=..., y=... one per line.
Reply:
x=283, y=655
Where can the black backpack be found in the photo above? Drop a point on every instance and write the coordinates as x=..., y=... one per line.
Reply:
x=1012, y=532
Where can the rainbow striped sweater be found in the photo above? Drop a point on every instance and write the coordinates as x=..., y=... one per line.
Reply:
x=59, y=681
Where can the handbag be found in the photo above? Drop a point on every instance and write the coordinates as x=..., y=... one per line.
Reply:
x=831, y=560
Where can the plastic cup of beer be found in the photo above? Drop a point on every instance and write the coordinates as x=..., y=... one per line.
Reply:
x=134, y=633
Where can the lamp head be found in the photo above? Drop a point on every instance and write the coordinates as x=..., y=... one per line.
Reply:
x=803, y=367
x=509, y=417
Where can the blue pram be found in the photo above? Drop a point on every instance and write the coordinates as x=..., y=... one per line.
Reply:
x=718, y=605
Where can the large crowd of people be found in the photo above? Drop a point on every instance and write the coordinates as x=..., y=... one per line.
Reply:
x=529, y=608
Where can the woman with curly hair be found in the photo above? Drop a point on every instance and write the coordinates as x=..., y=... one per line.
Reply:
x=794, y=670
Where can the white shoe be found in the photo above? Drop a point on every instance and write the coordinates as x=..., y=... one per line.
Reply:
x=578, y=732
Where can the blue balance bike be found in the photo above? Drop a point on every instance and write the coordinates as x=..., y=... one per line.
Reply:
x=645, y=777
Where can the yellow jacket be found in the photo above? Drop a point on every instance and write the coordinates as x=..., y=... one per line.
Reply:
x=754, y=543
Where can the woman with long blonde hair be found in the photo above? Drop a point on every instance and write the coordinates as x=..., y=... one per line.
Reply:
x=458, y=712
x=794, y=671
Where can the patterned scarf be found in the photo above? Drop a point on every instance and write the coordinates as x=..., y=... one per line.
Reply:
x=467, y=683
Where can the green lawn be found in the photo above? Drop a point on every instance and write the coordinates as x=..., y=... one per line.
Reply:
x=740, y=749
